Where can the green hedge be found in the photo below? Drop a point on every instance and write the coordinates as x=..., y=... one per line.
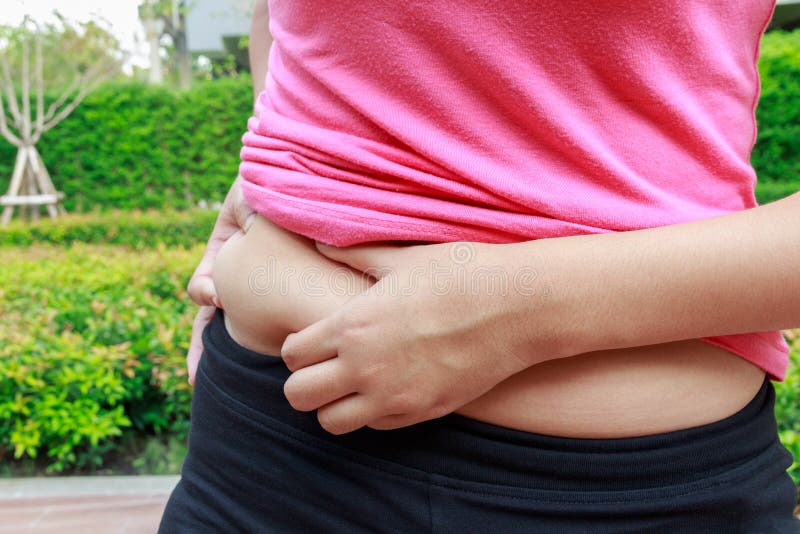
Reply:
x=135, y=229
x=92, y=349
x=776, y=156
x=131, y=146
x=767, y=191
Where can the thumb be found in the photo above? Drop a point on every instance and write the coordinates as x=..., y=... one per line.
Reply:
x=375, y=260
x=202, y=291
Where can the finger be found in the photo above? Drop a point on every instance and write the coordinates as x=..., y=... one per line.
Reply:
x=202, y=318
x=243, y=214
x=203, y=292
x=348, y=414
x=317, y=385
x=375, y=260
x=201, y=285
x=247, y=220
x=390, y=422
x=315, y=343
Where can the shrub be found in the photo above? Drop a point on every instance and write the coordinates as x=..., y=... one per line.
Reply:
x=131, y=145
x=58, y=394
x=787, y=404
x=92, y=345
x=767, y=191
x=775, y=156
x=135, y=229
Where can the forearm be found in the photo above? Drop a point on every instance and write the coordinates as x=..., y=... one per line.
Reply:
x=736, y=273
x=259, y=44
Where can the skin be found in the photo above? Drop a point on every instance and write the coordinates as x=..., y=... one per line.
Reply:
x=235, y=215
x=729, y=274
x=271, y=282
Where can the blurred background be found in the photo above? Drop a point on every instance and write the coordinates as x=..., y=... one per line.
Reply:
x=143, y=105
x=120, y=120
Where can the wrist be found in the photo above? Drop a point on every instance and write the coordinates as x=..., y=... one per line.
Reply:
x=542, y=316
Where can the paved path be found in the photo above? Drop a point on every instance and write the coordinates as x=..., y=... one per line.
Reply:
x=83, y=505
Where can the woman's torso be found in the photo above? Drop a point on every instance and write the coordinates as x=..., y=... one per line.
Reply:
x=271, y=282
x=501, y=121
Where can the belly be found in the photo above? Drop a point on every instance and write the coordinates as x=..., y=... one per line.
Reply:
x=272, y=282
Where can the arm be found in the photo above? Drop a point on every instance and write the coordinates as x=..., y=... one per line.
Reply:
x=259, y=44
x=394, y=357
x=736, y=273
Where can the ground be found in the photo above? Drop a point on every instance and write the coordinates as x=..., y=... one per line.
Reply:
x=82, y=505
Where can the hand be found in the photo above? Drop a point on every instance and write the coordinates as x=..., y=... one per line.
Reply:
x=234, y=216
x=410, y=348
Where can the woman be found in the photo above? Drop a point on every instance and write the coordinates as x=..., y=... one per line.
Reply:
x=552, y=304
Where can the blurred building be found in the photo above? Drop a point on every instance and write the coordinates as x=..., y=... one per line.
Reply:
x=787, y=15
x=218, y=29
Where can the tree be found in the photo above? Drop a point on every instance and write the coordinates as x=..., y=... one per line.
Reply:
x=167, y=17
x=76, y=58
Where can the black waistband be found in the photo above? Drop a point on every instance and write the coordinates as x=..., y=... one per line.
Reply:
x=467, y=449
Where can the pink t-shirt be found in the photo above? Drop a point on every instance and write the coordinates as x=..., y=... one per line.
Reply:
x=507, y=120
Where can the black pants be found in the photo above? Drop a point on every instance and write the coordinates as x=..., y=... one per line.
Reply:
x=257, y=465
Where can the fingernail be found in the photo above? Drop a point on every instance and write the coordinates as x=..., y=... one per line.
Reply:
x=214, y=297
x=248, y=222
